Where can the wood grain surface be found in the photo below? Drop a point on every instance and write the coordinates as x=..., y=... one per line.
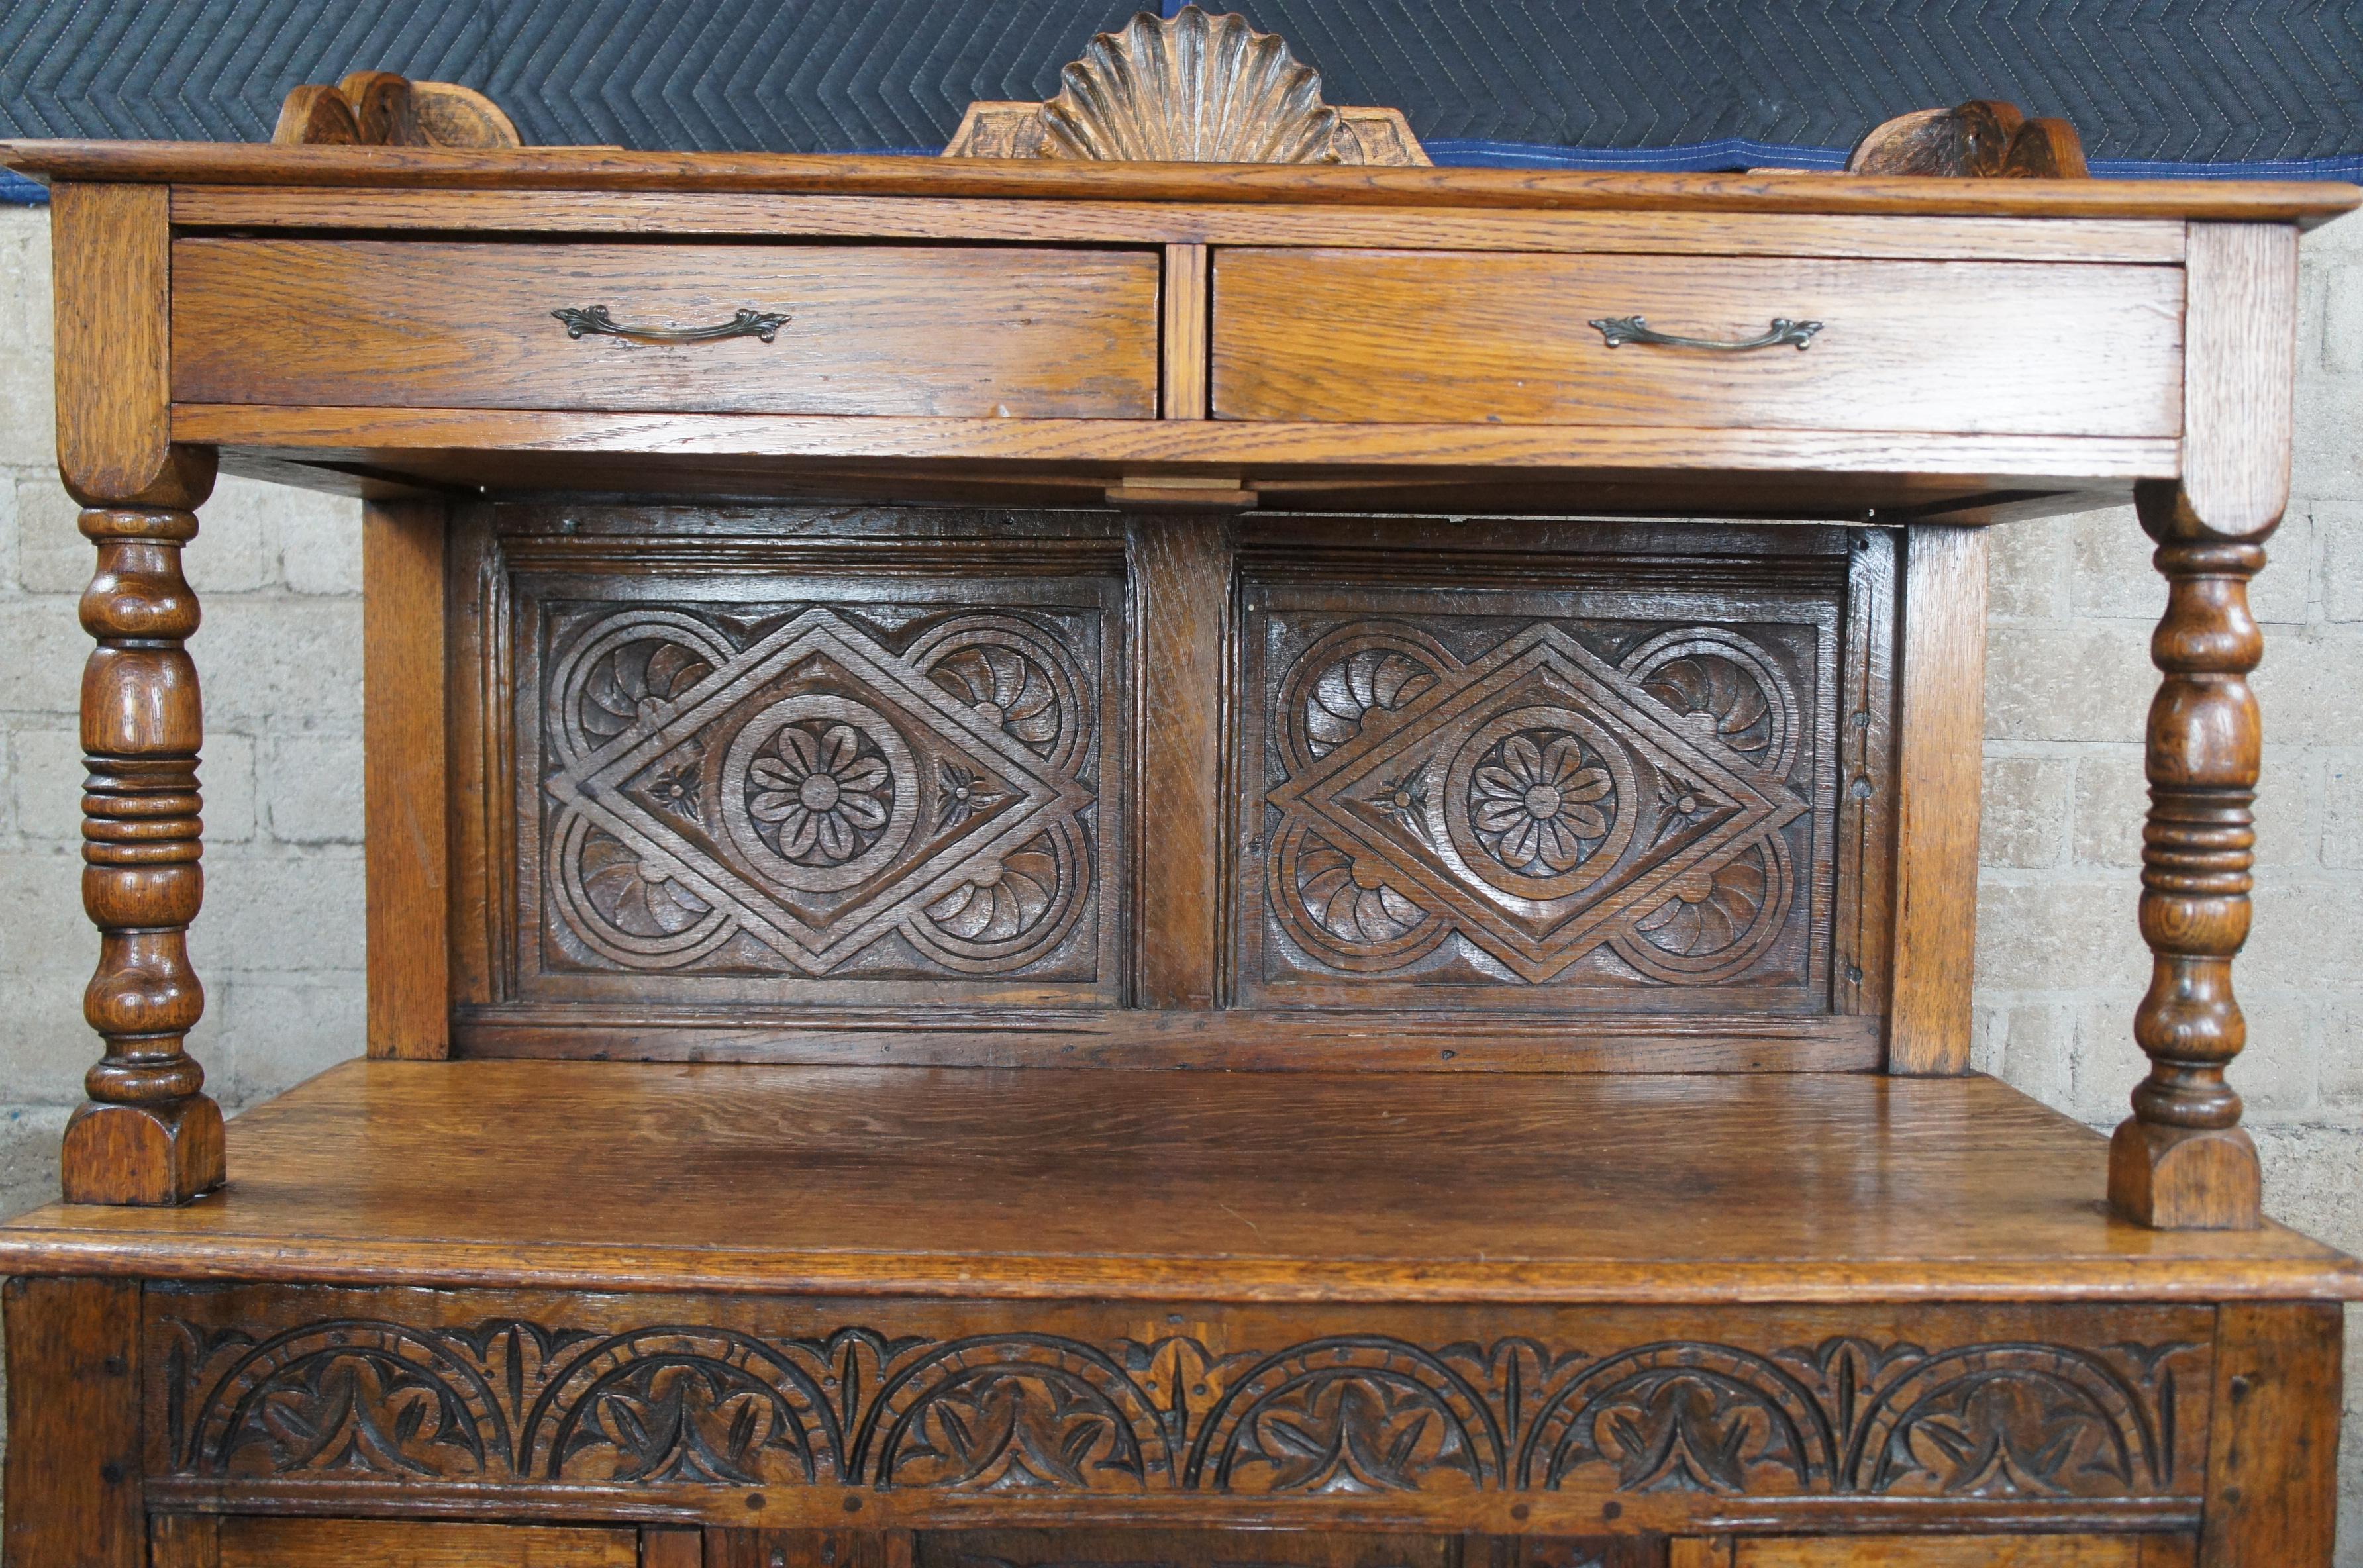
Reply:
x=74, y=1476
x=876, y=330
x=406, y=782
x=1941, y=740
x=1394, y=336
x=1047, y=1182
x=612, y=169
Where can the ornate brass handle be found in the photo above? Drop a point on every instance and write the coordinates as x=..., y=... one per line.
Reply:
x=1618, y=330
x=594, y=321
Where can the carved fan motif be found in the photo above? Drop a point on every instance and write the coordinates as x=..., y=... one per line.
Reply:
x=1192, y=89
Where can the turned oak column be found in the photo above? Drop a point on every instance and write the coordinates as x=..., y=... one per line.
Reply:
x=147, y=1135
x=2181, y=1161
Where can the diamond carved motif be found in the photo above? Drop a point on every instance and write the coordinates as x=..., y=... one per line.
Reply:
x=1536, y=800
x=819, y=791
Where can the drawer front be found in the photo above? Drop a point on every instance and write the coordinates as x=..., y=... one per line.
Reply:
x=1960, y=1551
x=1924, y=347
x=199, y=1541
x=1178, y=1548
x=868, y=329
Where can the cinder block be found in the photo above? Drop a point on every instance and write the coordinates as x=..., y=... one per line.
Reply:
x=279, y=1030
x=2111, y=799
x=42, y=648
x=264, y=658
x=2339, y=525
x=26, y=322
x=312, y=788
x=2327, y=461
x=320, y=543
x=237, y=547
x=2108, y=1061
x=2090, y=681
x=2279, y=1072
x=2033, y=1054
x=2024, y=577
x=2058, y=931
x=2023, y=811
x=2306, y=933
x=2342, y=1056
x=227, y=772
x=300, y=911
x=2314, y=1180
x=2111, y=575
x=51, y=554
x=29, y=1155
x=2341, y=285
x=2310, y=687
x=44, y=775
x=2342, y=810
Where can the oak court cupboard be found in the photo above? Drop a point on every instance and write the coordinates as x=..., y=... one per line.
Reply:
x=1173, y=842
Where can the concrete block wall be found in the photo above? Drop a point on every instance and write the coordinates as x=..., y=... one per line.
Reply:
x=2059, y=962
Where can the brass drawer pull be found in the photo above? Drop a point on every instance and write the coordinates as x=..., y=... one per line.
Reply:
x=593, y=320
x=1619, y=330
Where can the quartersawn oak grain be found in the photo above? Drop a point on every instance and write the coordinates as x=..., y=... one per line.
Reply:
x=1982, y=347
x=870, y=330
x=611, y=168
x=1042, y=1183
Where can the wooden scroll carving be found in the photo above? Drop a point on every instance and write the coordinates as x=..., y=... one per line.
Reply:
x=378, y=108
x=1191, y=88
x=1982, y=140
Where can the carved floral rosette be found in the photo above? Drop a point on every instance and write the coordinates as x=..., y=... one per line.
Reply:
x=795, y=801
x=1538, y=803
x=676, y=1400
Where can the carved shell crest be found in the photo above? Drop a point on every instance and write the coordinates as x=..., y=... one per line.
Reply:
x=1195, y=89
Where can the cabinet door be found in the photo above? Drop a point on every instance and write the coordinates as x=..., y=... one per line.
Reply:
x=181, y=1541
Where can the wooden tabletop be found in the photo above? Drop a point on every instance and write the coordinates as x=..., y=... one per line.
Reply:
x=614, y=169
x=1171, y=1186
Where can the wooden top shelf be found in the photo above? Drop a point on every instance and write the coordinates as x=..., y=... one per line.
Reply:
x=1380, y=1187
x=614, y=169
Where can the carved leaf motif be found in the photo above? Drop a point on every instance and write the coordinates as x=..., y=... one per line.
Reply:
x=1381, y=678
x=1712, y=908
x=675, y=1404
x=1007, y=688
x=1351, y=900
x=1191, y=88
x=1719, y=696
x=1003, y=900
x=643, y=896
x=684, y=1418
x=637, y=684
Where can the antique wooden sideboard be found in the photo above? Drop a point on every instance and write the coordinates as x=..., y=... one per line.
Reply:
x=1080, y=861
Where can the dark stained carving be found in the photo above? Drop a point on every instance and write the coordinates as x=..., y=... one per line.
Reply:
x=790, y=789
x=510, y=1400
x=1982, y=140
x=1636, y=818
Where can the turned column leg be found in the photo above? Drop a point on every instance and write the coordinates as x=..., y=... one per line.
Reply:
x=2181, y=1159
x=146, y=1136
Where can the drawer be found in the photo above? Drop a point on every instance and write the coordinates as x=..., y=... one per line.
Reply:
x=869, y=329
x=1944, y=1552
x=1178, y=1548
x=199, y=1541
x=1927, y=347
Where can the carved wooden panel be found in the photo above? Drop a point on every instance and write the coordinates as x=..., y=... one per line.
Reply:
x=884, y=773
x=250, y=1388
x=1616, y=789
